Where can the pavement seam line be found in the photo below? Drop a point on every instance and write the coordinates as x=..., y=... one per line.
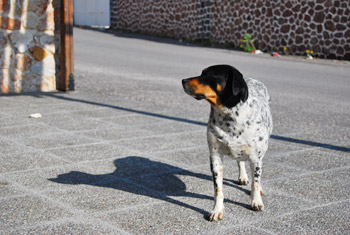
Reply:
x=308, y=174
x=77, y=212
x=288, y=214
x=71, y=163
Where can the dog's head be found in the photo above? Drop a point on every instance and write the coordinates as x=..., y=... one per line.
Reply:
x=221, y=85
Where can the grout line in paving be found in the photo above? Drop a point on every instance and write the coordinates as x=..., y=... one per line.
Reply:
x=280, y=154
x=72, y=163
x=291, y=167
x=79, y=214
x=78, y=133
x=129, y=208
x=159, y=135
x=224, y=230
x=284, y=215
x=308, y=174
x=75, y=220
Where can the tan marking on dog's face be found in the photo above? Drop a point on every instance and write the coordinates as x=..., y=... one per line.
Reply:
x=218, y=87
x=207, y=91
x=202, y=89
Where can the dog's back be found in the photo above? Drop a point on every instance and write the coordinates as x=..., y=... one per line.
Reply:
x=259, y=99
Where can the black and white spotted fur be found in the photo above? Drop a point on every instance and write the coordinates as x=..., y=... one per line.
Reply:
x=242, y=133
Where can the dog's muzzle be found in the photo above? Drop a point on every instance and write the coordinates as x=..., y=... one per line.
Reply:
x=186, y=87
x=189, y=90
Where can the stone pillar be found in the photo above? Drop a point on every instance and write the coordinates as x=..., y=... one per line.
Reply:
x=28, y=45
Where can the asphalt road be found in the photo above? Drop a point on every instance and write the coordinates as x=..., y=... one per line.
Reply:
x=122, y=64
x=126, y=152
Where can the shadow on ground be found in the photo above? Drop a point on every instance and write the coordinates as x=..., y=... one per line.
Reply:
x=142, y=176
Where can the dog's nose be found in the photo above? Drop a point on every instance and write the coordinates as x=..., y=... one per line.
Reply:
x=184, y=81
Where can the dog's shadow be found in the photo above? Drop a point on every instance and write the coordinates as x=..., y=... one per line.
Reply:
x=142, y=176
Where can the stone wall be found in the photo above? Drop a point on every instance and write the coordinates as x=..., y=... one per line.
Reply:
x=29, y=44
x=176, y=19
x=299, y=25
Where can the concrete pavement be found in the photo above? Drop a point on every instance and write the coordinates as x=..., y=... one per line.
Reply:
x=126, y=152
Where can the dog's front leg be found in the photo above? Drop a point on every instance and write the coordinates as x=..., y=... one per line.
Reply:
x=256, y=193
x=217, y=170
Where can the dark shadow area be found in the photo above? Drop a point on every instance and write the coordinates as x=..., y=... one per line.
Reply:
x=276, y=137
x=138, y=175
x=311, y=143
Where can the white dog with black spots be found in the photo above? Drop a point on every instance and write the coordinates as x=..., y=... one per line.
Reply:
x=240, y=125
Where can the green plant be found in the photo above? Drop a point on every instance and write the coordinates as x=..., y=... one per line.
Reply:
x=309, y=54
x=247, y=43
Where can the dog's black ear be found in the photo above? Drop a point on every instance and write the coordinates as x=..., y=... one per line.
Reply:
x=239, y=86
x=236, y=89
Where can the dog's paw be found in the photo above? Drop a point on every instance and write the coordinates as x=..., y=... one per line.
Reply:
x=257, y=205
x=243, y=181
x=216, y=215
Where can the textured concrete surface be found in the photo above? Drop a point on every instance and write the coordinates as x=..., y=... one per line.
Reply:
x=126, y=152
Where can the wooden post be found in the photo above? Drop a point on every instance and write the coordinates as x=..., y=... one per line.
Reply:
x=66, y=78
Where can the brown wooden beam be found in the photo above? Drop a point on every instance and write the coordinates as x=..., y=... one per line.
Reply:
x=66, y=78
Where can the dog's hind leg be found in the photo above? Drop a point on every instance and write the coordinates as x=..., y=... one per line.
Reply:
x=256, y=193
x=243, y=177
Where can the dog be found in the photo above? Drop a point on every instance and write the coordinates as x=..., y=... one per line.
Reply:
x=239, y=126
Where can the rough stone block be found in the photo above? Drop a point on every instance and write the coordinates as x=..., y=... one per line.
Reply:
x=47, y=23
x=46, y=67
x=3, y=39
x=30, y=20
x=4, y=81
x=5, y=58
x=48, y=84
x=9, y=23
x=4, y=6
x=21, y=40
x=47, y=41
x=39, y=7
x=23, y=62
x=39, y=53
x=30, y=81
